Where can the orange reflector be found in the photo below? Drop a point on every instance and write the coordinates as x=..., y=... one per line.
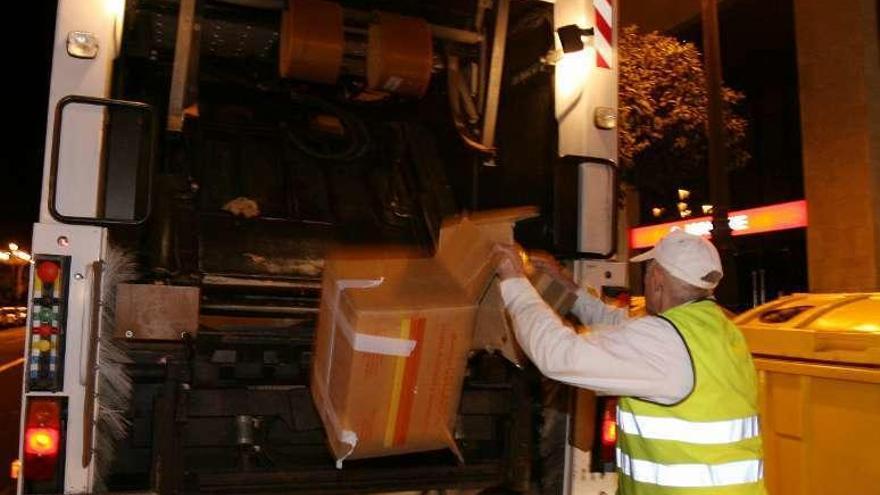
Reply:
x=771, y=218
x=41, y=441
x=15, y=469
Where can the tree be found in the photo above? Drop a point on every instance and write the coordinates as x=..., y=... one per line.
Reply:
x=663, y=113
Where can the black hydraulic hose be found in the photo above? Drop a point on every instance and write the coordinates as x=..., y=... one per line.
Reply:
x=354, y=129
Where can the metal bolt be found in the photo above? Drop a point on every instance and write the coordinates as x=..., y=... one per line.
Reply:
x=78, y=276
x=63, y=241
x=244, y=430
x=129, y=334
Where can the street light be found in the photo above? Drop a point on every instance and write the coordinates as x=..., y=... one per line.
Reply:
x=21, y=255
x=15, y=255
x=17, y=260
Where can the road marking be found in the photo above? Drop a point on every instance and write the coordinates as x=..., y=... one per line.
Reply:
x=11, y=364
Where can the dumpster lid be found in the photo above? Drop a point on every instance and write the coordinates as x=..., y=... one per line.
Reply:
x=842, y=328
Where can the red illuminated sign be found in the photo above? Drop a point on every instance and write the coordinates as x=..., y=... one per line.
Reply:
x=744, y=222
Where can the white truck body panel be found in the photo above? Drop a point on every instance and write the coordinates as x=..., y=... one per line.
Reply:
x=84, y=245
x=77, y=187
x=581, y=86
x=80, y=149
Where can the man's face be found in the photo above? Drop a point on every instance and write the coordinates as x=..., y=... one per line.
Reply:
x=652, y=288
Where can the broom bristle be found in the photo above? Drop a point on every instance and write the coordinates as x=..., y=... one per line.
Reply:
x=114, y=387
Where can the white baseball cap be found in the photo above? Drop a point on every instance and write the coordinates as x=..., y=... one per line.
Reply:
x=686, y=257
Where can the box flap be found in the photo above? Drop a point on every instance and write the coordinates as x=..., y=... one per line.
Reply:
x=494, y=331
x=504, y=215
x=466, y=241
x=497, y=225
x=465, y=254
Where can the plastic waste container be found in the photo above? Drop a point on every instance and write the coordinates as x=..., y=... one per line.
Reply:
x=818, y=361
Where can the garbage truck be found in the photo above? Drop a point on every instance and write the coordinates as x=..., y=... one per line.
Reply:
x=202, y=159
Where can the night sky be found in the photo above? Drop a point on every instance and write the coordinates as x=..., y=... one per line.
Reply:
x=22, y=160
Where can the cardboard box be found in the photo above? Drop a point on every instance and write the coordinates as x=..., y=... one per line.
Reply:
x=394, y=336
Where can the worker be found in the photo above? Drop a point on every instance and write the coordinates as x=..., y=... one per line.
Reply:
x=688, y=408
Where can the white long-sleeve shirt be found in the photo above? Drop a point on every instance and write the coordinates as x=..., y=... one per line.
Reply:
x=640, y=357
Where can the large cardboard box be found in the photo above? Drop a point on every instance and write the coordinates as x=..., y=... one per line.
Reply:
x=394, y=334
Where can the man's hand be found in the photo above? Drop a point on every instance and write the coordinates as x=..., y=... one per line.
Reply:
x=546, y=263
x=510, y=263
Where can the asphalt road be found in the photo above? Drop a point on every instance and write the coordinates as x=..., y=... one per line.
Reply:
x=11, y=349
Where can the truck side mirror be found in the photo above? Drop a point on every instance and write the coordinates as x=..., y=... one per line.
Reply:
x=102, y=161
x=585, y=207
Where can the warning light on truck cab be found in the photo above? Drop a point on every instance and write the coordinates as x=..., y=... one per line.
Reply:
x=771, y=218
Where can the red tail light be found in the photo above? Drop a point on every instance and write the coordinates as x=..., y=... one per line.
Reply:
x=606, y=445
x=43, y=439
x=609, y=423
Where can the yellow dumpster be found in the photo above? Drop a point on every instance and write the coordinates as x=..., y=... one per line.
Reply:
x=818, y=361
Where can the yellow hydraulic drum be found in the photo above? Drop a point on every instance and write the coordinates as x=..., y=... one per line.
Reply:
x=400, y=55
x=312, y=41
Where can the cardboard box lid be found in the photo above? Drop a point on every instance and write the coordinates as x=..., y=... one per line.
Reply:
x=402, y=284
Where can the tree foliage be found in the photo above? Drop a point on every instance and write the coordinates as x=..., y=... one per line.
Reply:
x=663, y=112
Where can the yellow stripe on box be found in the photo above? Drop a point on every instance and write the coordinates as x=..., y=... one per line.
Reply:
x=396, y=386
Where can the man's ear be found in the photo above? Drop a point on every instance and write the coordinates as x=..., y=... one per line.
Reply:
x=659, y=277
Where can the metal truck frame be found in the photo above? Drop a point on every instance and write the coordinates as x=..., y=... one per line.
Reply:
x=66, y=338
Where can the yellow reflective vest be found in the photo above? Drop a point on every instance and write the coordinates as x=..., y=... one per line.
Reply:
x=710, y=442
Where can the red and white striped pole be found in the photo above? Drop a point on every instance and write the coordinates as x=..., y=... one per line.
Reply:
x=603, y=37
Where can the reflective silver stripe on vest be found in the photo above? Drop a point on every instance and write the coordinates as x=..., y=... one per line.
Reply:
x=707, y=433
x=691, y=475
